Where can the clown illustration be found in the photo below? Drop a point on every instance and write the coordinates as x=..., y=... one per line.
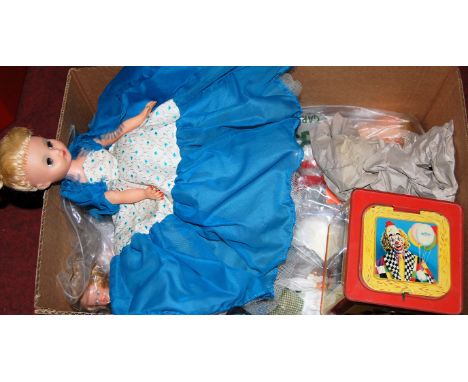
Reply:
x=399, y=263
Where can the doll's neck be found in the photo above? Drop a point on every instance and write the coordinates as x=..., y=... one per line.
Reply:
x=76, y=172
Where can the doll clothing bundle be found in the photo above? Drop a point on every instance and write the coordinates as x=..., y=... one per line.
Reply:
x=423, y=166
x=216, y=241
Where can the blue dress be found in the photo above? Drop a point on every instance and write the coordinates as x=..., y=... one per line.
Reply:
x=233, y=216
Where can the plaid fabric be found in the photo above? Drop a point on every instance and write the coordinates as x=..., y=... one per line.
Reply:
x=289, y=303
x=416, y=268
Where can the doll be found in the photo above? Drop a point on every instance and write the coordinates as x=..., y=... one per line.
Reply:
x=30, y=163
x=96, y=295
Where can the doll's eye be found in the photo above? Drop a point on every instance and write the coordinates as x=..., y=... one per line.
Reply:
x=50, y=162
x=50, y=145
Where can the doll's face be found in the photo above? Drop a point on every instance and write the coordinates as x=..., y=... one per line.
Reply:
x=95, y=295
x=48, y=162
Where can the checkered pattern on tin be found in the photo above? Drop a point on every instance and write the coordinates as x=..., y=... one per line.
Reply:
x=392, y=265
x=409, y=265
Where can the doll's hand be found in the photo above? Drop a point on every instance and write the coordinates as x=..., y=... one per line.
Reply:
x=153, y=193
x=147, y=110
x=132, y=123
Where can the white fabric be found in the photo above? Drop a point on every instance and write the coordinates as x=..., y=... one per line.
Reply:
x=312, y=232
x=149, y=155
x=101, y=165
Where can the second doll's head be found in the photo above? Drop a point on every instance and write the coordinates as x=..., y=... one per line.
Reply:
x=30, y=163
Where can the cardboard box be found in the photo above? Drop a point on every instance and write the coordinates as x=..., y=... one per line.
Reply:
x=434, y=95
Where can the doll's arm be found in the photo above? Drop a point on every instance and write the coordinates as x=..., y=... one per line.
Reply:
x=126, y=126
x=134, y=195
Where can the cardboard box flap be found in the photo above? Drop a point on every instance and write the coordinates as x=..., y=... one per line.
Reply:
x=91, y=82
x=409, y=90
x=449, y=104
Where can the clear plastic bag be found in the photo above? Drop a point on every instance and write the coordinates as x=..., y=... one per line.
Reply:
x=85, y=278
x=370, y=124
x=320, y=216
x=333, y=283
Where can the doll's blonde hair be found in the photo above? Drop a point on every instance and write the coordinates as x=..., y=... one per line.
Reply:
x=386, y=243
x=13, y=159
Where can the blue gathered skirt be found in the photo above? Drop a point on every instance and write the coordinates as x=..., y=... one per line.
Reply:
x=233, y=214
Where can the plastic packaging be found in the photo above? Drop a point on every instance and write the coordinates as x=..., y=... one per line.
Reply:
x=370, y=124
x=320, y=225
x=294, y=85
x=333, y=284
x=84, y=279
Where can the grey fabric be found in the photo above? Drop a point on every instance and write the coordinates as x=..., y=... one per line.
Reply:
x=424, y=166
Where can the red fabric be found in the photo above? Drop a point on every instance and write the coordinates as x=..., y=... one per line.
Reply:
x=11, y=85
x=20, y=213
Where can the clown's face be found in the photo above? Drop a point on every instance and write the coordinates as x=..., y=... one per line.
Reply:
x=396, y=242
